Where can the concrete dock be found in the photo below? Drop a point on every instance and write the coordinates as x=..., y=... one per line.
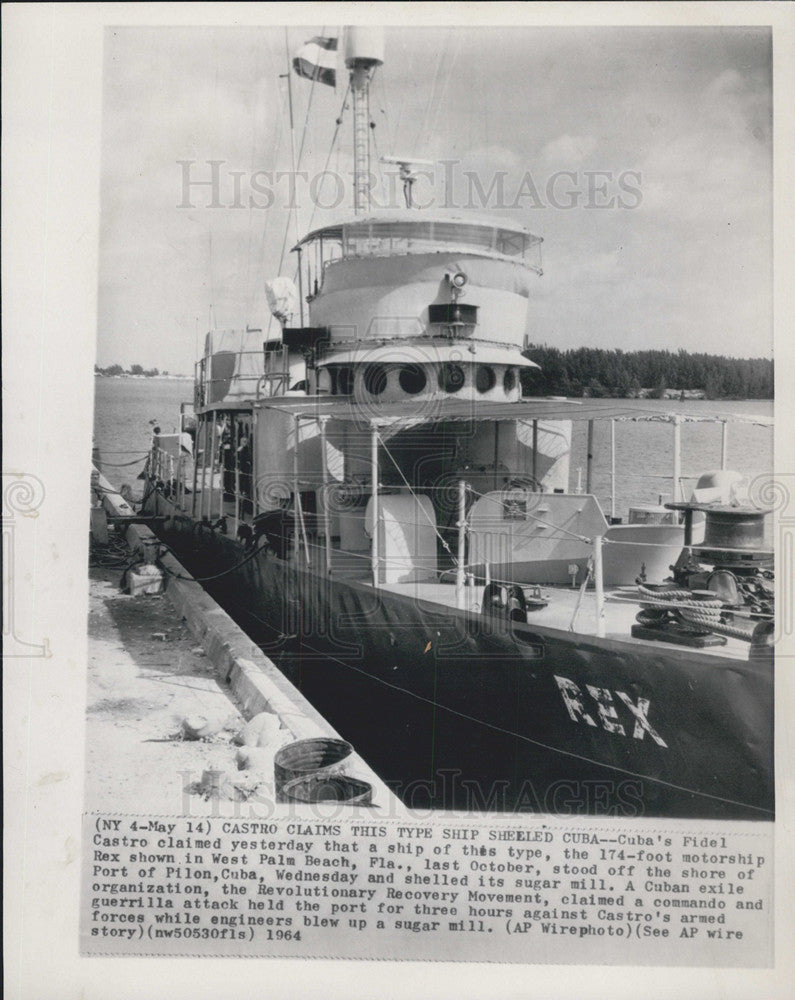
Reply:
x=159, y=662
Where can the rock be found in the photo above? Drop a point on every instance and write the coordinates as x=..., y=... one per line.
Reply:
x=261, y=731
x=232, y=724
x=199, y=727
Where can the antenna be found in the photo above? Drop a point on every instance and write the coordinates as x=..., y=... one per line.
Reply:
x=407, y=172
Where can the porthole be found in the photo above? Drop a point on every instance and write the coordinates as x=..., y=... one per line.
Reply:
x=451, y=377
x=375, y=379
x=412, y=379
x=509, y=380
x=485, y=379
x=344, y=382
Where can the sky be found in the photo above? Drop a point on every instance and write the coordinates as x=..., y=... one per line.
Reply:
x=642, y=156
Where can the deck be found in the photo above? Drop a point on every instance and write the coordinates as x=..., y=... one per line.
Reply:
x=561, y=612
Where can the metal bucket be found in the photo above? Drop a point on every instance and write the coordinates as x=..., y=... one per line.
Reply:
x=317, y=758
x=328, y=788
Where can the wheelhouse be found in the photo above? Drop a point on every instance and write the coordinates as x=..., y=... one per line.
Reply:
x=397, y=236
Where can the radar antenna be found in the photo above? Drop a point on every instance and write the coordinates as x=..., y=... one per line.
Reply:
x=407, y=174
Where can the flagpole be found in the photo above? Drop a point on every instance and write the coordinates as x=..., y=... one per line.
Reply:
x=288, y=74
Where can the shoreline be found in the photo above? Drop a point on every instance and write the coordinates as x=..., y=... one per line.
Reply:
x=149, y=378
x=639, y=399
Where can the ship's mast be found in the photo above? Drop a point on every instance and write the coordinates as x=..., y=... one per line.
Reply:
x=364, y=50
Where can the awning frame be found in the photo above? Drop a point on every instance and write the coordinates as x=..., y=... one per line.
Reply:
x=451, y=408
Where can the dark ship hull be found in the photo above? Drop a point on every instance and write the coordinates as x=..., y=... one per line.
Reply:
x=460, y=711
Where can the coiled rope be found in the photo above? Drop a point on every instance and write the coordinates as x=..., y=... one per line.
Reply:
x=702, y=614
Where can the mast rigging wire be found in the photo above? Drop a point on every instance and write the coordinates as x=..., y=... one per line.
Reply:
x=249, y=286
x=384, y=109
x=306, y=120
x=402, y=104
x=213, y=134
x=448, y=75
x=413, y=494
x=295, y=163
x=343, y=108
x=432, y=97
x=261, y=256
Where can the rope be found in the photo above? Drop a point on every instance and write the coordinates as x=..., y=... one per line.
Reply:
x=717, y=626
x=666, y=595
x=528, y=739
x=100, y=490
x=706, y=614
x=124, y=465
x=215, y=576
x=103, y=489
x=113, y=554
x=229, y=600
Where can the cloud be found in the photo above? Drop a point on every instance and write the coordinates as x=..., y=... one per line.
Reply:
x=568, y=151
x=491, y=158
x=691, y=110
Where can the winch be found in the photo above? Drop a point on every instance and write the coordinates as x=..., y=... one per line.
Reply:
x=721, y=587
x=734, y=537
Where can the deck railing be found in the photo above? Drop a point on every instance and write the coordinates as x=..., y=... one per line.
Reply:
x=245, y=375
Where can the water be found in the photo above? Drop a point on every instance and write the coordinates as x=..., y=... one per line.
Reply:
x=123, y=411
x=125, y=408
x=398, y=750
x=644, y=450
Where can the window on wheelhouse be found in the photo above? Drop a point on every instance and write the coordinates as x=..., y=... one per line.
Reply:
x=398, y=236
x=394, y=238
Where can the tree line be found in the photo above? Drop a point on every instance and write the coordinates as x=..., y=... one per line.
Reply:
x=132, y=370
x=590, y=371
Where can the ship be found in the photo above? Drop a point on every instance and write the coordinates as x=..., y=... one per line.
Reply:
x=375, y=494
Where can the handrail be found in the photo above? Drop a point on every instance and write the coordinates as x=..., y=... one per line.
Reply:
x=204, y=379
